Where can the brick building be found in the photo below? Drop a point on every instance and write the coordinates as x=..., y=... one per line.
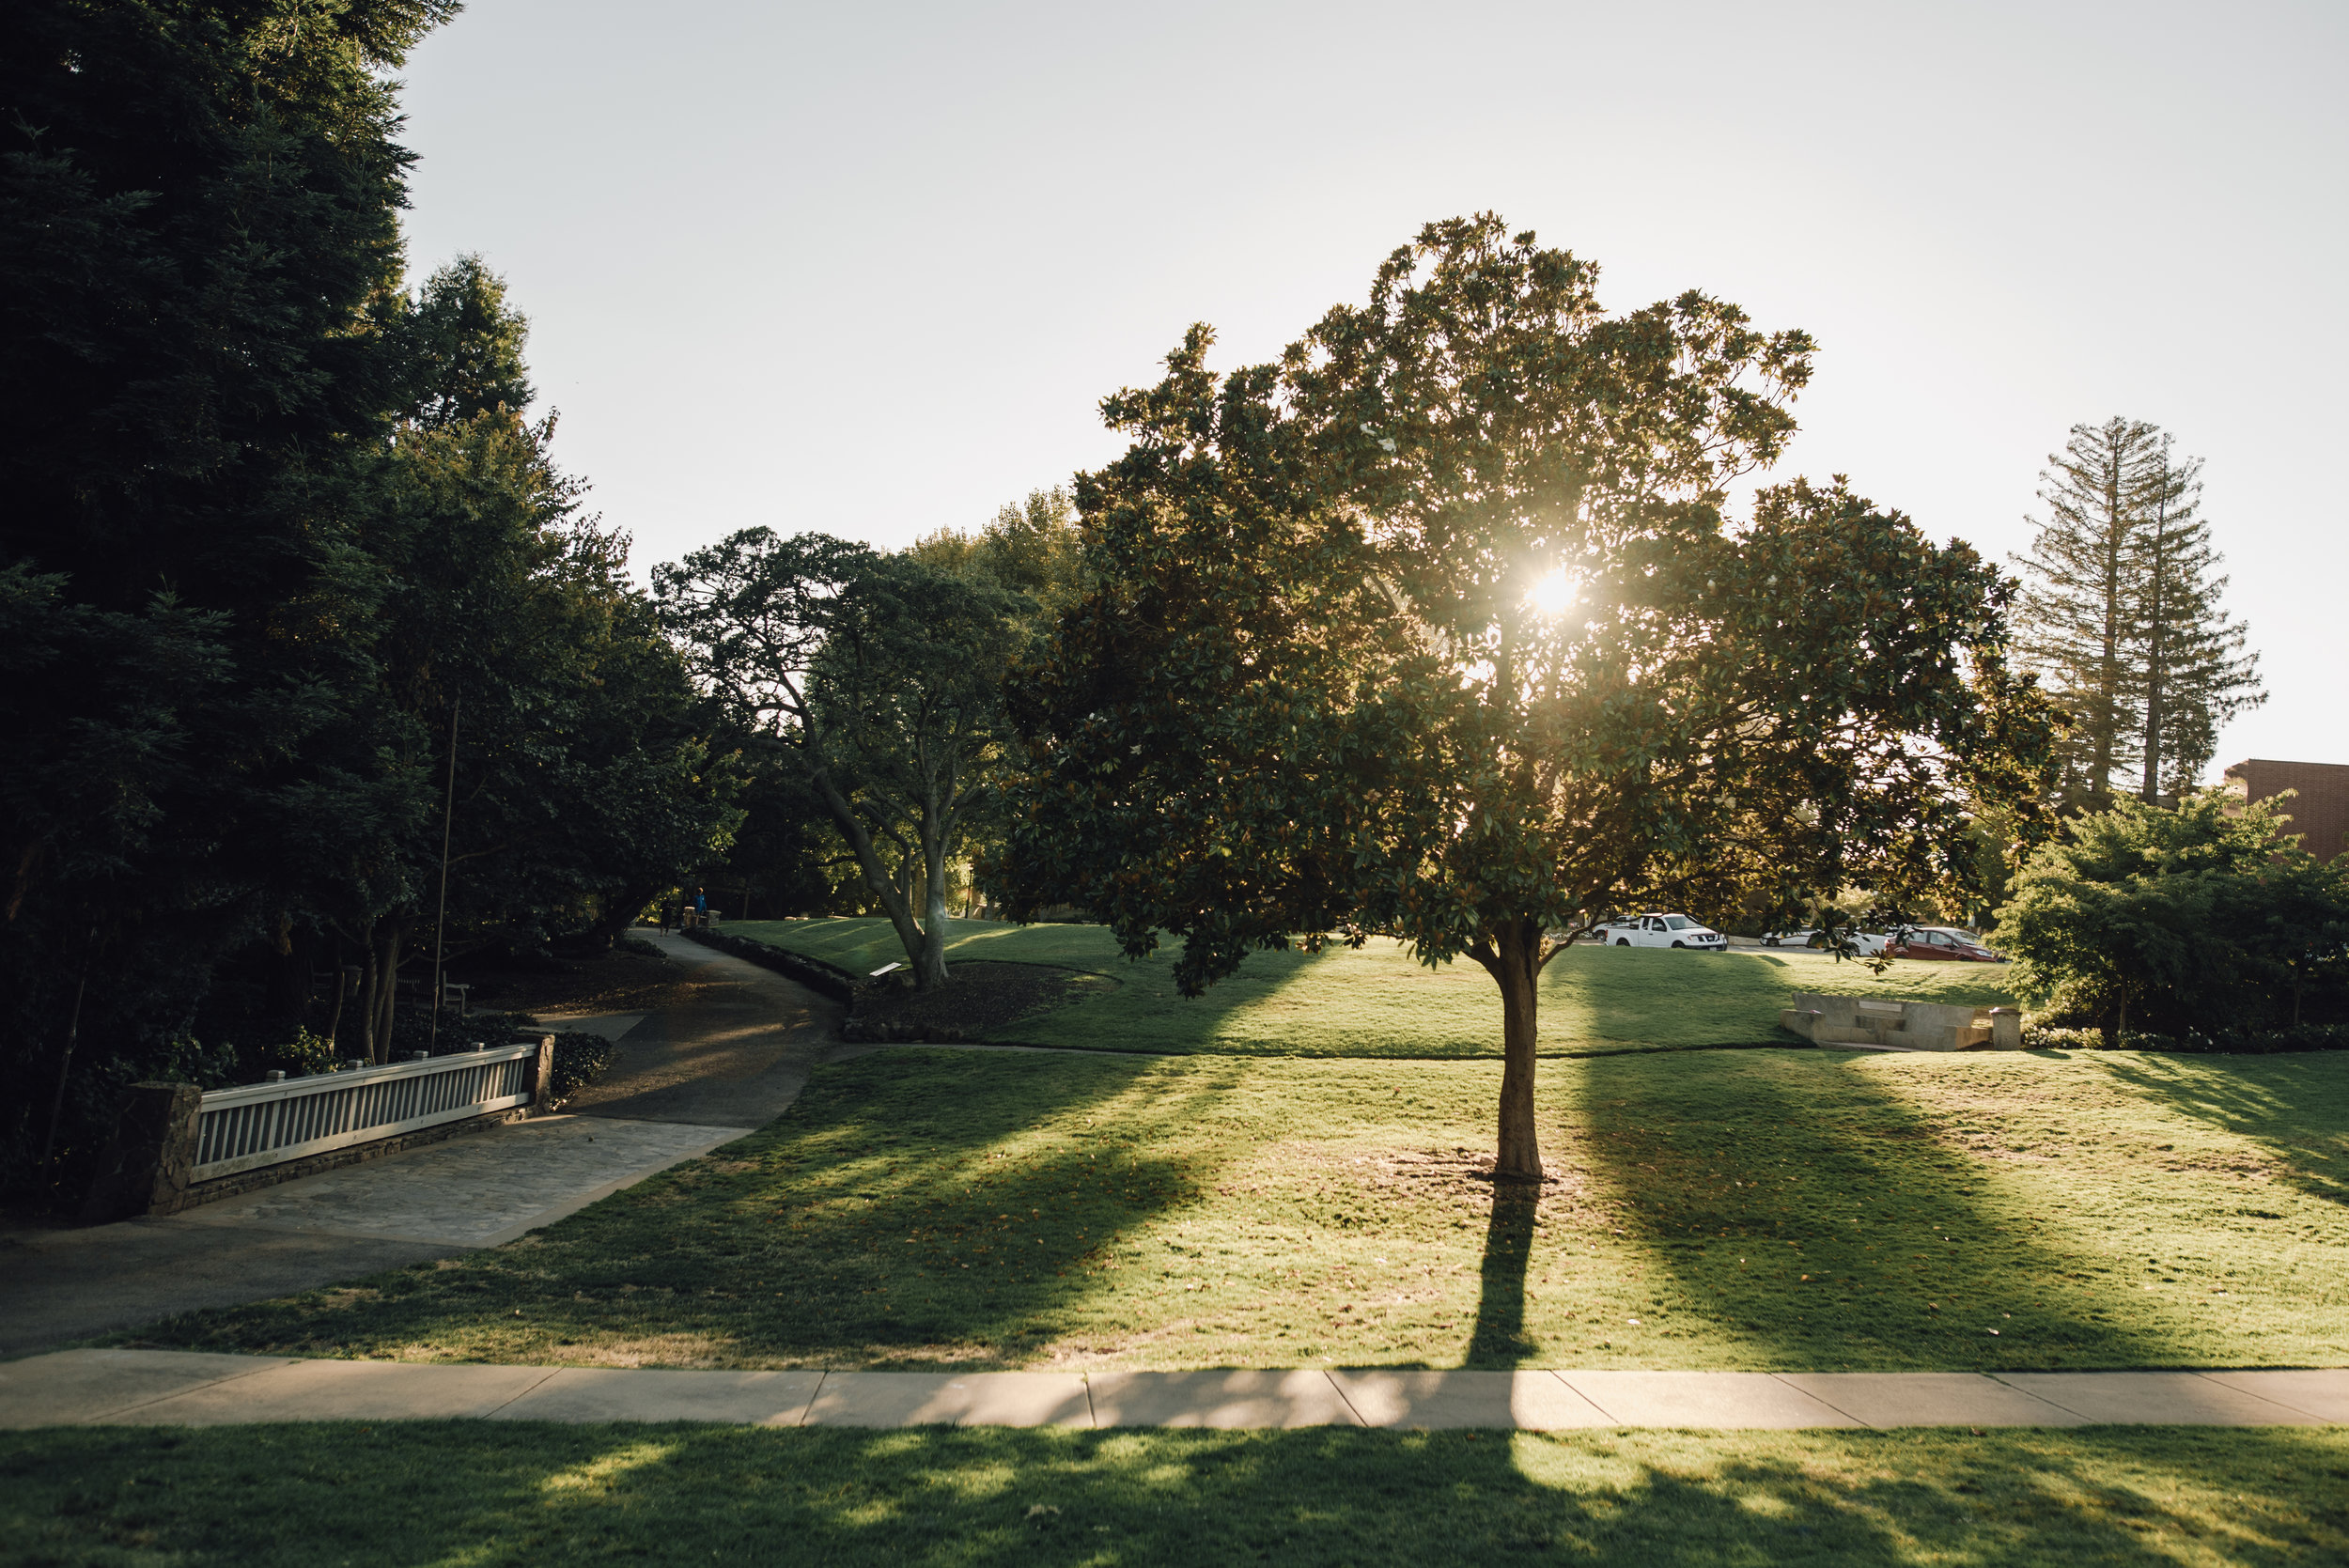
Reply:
x=2319, y=812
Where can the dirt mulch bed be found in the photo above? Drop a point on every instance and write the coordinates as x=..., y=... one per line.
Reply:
x=981, y=998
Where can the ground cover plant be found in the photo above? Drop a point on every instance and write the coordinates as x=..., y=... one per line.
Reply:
x=1769, y=1209
x=492, y=1493
x=1380, y=1002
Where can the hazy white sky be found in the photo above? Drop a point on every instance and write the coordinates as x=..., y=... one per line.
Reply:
x=870, y=269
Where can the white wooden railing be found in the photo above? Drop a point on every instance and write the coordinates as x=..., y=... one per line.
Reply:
x=264, y=1124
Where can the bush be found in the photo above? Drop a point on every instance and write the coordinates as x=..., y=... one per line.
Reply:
x=2201, y=922
x=580, y=1059
x=2254, y=1041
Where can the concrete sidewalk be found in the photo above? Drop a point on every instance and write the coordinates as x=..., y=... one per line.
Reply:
x=169, y=1388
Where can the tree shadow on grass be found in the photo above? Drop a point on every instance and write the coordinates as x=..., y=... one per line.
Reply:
x=1795, y=1202
x=1499, y=1337
x=2296, y=1107
x=940, y=1208
x=455, y=1492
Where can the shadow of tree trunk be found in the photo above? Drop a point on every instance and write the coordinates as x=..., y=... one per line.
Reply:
x=1499, y=1338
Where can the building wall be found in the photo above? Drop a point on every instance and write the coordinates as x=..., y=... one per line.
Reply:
x=2320, y=811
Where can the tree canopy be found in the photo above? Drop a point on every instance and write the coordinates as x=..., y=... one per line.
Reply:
x=1438, y=627
x=881, y=676
x=272, y=517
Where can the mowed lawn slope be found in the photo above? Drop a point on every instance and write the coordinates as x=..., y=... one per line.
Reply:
x=1380, y=1001
x=1791, y=1209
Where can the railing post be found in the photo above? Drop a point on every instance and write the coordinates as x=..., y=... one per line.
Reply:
x=147, y=1160
x=542, y=1076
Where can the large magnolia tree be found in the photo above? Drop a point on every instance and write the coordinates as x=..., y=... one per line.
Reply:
x=1439, y=628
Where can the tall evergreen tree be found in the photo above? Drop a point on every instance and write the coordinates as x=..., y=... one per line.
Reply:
x=2122, y=614
x=2196, y=673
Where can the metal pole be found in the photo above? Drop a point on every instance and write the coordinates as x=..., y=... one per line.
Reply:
x=440, y=922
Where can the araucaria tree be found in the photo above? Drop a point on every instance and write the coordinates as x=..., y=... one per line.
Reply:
x=1436, y=628
x=2122, y=616
x=880, y=676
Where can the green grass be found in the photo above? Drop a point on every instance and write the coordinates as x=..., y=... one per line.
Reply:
x=484, y=1494
x=1380, y=1001
x=1790, y=1210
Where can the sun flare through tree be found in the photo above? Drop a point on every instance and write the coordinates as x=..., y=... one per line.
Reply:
x=1439, y=628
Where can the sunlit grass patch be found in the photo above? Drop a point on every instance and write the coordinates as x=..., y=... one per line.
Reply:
x=1751, y=1209
x=1380, y=1001
x=496, y=1493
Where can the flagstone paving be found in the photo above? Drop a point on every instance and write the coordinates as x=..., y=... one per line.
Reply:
x=166, y=1388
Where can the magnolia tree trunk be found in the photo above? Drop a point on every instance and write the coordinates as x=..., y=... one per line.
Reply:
x=1514, y=962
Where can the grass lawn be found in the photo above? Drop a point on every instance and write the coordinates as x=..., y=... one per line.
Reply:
x=485, y=1493
x=1792, y=1209
x=1380, y=1001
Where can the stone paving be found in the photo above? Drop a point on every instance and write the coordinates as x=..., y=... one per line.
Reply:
x=477, y=1191
x=143, y=1387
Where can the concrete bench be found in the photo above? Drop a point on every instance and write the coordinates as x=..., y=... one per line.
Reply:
x=1832, y=1020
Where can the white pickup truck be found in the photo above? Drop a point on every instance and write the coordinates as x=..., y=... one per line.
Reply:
x=1662, y=931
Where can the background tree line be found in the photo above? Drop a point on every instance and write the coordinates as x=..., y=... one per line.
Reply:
x=283, y=543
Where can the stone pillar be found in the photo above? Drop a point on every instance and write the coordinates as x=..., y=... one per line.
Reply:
x=543, y=1076
x=147, y=1160
x=2006, y=1029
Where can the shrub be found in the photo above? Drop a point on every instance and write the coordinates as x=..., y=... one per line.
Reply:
x=2198, y=921
x=2253, y=1042
x=580, y=1059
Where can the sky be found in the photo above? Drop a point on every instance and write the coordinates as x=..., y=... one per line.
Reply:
x=869, y=270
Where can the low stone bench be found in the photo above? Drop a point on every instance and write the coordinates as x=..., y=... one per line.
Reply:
x=1832, y=1020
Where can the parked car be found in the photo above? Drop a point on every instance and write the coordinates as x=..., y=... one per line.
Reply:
x=1805, y=937
x=1940, y=941
x=1662, y=931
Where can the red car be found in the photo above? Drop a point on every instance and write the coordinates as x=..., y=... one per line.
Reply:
x=1942, y=941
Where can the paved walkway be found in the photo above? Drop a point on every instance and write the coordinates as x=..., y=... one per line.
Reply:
x=187, y=1388
x=684, y=1082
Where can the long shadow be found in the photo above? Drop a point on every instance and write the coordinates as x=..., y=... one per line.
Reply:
x=1821, y=1221
x=1499, y=1337
x=943, y=1207
x=450, y=1493
x=2296, y=1106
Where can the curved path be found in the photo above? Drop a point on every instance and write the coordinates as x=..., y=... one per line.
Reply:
x=728, y=1059
x=734, y=1054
